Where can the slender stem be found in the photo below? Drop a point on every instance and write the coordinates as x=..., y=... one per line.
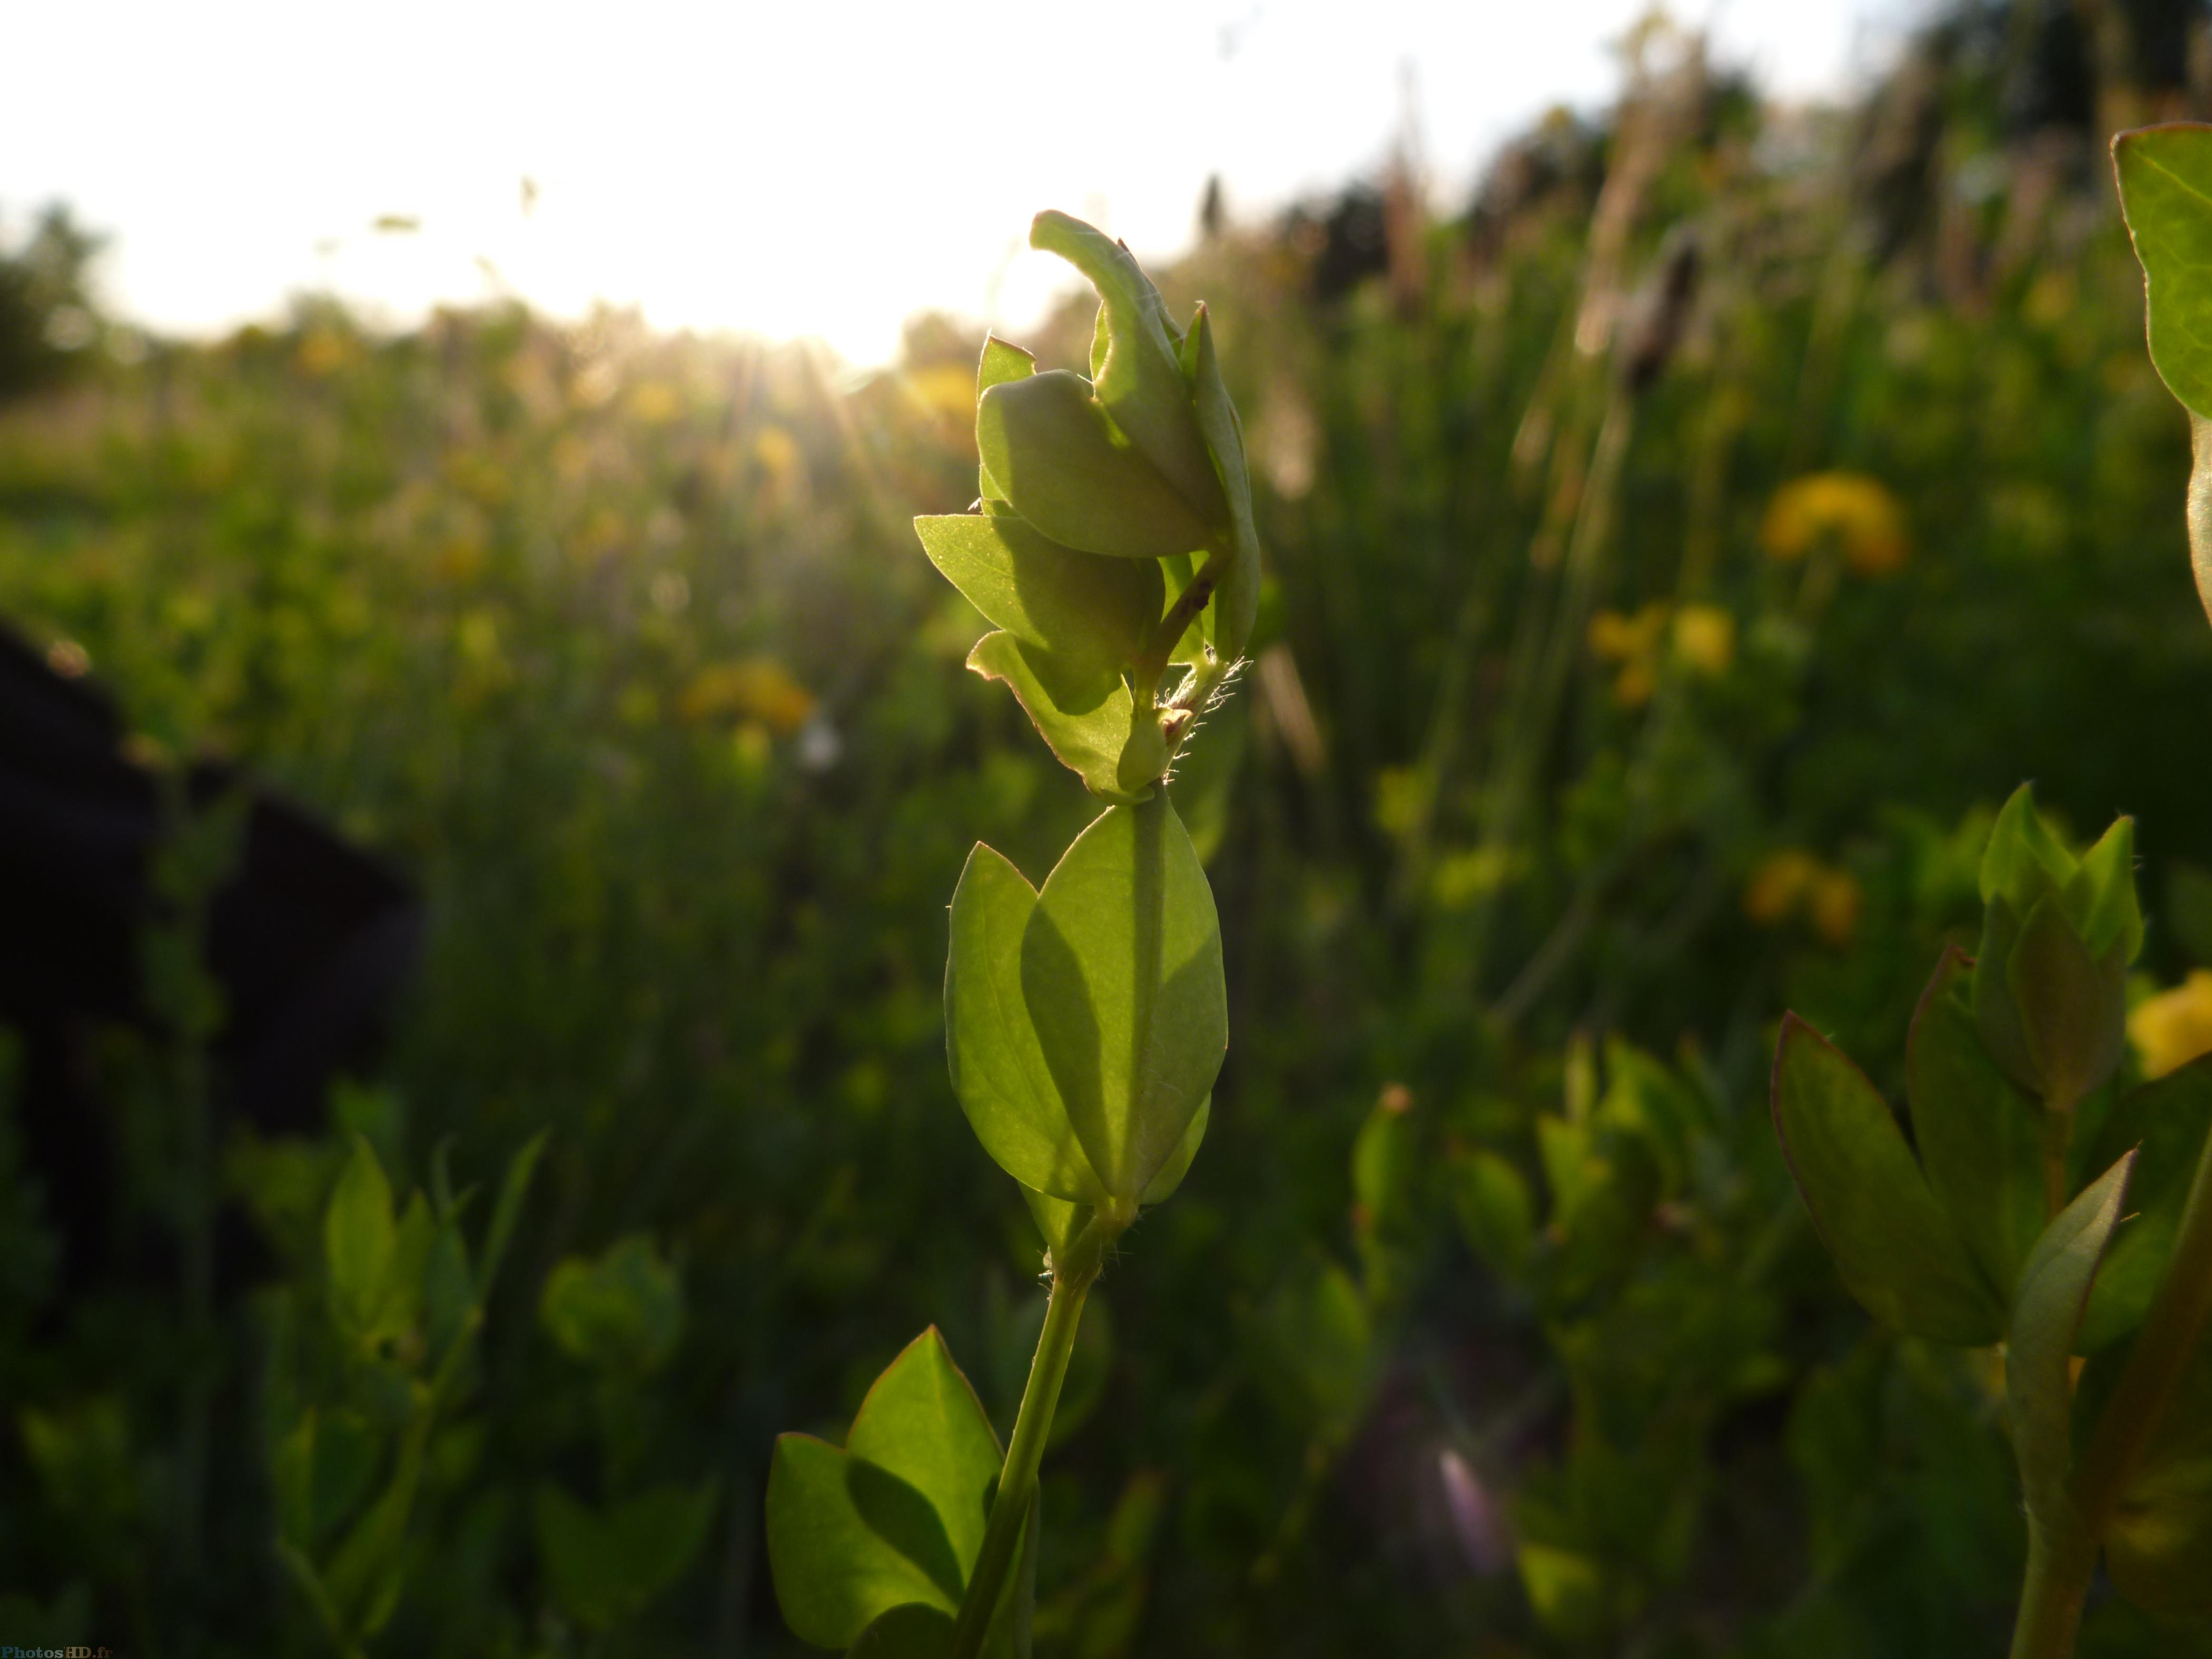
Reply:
x=1010, y=1510
x=2057, y=1142
x=2163, y=1350
x=1175, y=625
x=2060, y=1561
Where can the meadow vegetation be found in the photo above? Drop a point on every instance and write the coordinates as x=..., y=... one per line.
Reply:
x=1673, y=561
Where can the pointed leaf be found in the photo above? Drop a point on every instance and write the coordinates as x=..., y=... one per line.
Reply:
x=1137, y=377
x=2054, y=1289
x=1980, y=1138
x=360, y=1240
x=2073, y=1008
x=1002, y=361
x=1896, y=1250
x=922, y=1423
x=2167, y=1121
x=1095, y=612
x=1235, y=600
x=2023, y=860
x=1088, y=738
x=512, y=1190
x=2101, y=897
x=999, y=1071
x=1050, y=449
x=1122, y=969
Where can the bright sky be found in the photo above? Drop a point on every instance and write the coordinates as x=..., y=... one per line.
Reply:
x=788, y=169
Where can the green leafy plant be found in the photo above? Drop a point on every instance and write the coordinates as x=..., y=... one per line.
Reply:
x=1999, y=1222
x=1112, y=549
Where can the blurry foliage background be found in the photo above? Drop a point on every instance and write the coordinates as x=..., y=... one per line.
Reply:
x=1675, y=555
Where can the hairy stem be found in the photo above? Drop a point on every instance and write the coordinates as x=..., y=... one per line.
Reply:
x=1173, y=626
x=1010, y=1510
x=2060, y=1561
x=2163, y=1350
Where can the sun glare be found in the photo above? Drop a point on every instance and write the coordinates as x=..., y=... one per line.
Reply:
x=783, y=170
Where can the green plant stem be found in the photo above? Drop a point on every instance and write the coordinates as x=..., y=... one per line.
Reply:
x=1010, y=1510
x=2060, y=1561
x=1173, y=626
x=2169, y=1335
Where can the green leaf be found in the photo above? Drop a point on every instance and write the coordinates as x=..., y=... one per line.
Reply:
x=512, y=1190
x=1896, y=1250
x=894, y=1517
x=1059, y=1220
x=916, y=1630
x=360, y=1240
x=1979, y=1138
x=1496, y=1214
x=2168, y=1122
x=1165, y=1183
x=1315, y=1342
x=2073, y=1008
x=1565, y=1591
x=1138, y=379
x=1089, y=738
x=2165, y=194
x=2054, y=1289
x=1235, y=600
x=2101, y=897
x=1094, y=614
x=1121, y=970
x=622, y=1312
x=1052, y=451
x=999, y=1071
x=923, y=1424
x=608, y=1567
x=1002, y=361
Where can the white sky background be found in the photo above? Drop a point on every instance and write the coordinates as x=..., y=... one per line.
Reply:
x=787, y=168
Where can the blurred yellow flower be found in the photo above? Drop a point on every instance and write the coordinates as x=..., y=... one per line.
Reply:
x=1859, y=512
x=1777, y=885
x=655, y=402
x=759, y=690
x=1633, y=642
x=1704, y=638
x=1794, y=882
x=2174, y=1027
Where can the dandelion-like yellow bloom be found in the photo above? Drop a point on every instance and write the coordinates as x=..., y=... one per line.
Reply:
x=1858, y=510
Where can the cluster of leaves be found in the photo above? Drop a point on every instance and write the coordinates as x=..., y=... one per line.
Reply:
x=1628, y=692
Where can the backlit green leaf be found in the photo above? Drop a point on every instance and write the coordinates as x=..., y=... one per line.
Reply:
x=1121, y=970
x=896, y=1516
x=2054, y=1289
x=1050, y=449
x=1136, y=377
x=2166, y=192
x=1979, y=1138
x=1093, y=613
x=999, y=1071
x=1896, y=1250
x=1236, y=599
x=1089, y=738
x=1171, y=1173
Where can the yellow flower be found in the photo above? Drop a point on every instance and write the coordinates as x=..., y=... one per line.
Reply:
x=1793, y=884
x=1633, y=642
x=1858, y=510
x=759, y=688
x=1777, y=885
x=1704, y=638
x=2174, y=1027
